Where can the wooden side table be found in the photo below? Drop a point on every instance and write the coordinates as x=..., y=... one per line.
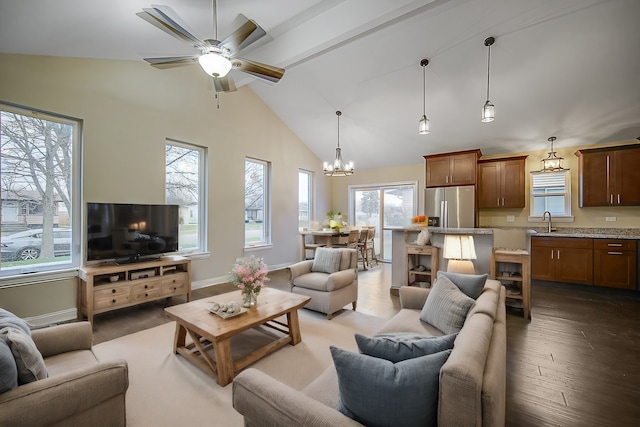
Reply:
x=511, y=267
x=414, y=253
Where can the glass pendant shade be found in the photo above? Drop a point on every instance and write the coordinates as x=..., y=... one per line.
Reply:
x=423, y=125
x=488, y=112
x=215, y=64
x=338, y=167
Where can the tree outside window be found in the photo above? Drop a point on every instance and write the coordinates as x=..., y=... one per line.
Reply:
x=256, y=202
x=38, y=176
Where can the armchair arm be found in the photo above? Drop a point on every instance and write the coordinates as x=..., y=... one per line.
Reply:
x=63, y=338
x=413, y=297
x=340, y=279
x=263, y=400
x=300, y=268
x=56, y=399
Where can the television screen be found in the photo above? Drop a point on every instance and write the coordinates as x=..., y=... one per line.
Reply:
x=128, y=232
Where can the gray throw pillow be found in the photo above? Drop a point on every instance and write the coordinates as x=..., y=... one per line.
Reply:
x=8, y=369
x=399, y=346
x=446, y=307
x=7, y=319
x=471, y=284
x=376, y=392
x=26, y=355
x=326, y=260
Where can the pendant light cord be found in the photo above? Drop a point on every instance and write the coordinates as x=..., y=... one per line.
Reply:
x=488, y=69
x=424, y=90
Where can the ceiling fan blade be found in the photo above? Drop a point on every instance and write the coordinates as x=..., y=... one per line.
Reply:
x=257, y=69
x=159, y=16
x=224, y=84
x=249, y=32
x=172, y=61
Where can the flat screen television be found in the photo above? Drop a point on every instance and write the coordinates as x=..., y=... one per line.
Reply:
x=130, y=232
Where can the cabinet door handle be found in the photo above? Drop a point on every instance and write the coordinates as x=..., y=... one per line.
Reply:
x=503, y=201
x=618, y=198
x=558, y=254
x=611, y=199
x=498, y=201
x=614, y=253
x=551, y=253
x=617, y=245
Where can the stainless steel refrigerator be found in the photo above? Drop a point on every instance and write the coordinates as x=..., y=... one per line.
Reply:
x=454, y=207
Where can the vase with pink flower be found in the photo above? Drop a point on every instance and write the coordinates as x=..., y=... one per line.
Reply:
x=249, y=274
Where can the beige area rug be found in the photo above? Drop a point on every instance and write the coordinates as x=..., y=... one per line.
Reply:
x=166, y=390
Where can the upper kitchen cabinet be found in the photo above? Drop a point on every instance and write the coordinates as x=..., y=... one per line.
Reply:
x=447, y=169
x=609, y=176
x=501, y=183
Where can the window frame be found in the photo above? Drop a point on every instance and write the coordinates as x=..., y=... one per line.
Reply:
x=13, y=276
x=309, y=176
x=265, y=240
x=567, y=215
x=203, y=170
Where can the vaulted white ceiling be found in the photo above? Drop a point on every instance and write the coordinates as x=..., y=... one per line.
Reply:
x=568, y=68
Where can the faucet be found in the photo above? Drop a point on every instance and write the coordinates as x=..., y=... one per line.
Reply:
x=544, y=215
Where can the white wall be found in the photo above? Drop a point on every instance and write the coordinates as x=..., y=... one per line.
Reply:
x=129, y=108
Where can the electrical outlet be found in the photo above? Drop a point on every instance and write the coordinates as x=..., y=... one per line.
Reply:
x=610, y=219
x=511, y=218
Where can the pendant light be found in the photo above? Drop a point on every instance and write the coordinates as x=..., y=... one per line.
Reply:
x=423, y=124
x=338, y=167
x=552, y=163
x=488, y=111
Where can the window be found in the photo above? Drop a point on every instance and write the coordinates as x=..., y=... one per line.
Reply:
x=550, y=191
x=385, y=206
x=40, y=179
x=304, y=199
x=185, y=168
x=256, y=203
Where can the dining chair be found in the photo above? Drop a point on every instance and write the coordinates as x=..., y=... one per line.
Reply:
x=371, y=249
x=309, y=243
x=362, y=248
x=352, y=240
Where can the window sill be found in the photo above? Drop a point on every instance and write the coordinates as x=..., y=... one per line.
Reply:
x=258, y=247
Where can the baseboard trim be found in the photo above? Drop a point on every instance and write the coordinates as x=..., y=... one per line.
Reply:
x=52, y=318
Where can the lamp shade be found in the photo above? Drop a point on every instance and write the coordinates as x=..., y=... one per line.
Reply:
x=215, y=64
x=459, y=247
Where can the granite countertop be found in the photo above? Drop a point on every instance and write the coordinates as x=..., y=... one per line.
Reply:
x=593, y=233
x=443, y=230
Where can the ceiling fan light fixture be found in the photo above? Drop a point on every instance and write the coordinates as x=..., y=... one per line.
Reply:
x=215, y=65
x=423, y=124
x=338, y=167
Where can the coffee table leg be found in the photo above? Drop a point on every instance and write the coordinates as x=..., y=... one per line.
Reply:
x=294, y=327
x=179, y=338
x=224, y=361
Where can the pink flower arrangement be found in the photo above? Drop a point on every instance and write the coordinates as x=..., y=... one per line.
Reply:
x=249, y=274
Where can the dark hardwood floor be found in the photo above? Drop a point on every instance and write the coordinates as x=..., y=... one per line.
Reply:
x=576, y=363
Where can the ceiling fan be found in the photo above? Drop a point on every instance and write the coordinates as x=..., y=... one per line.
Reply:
x=216, y=57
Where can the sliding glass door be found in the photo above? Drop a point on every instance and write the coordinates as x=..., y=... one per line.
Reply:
x=385, y=207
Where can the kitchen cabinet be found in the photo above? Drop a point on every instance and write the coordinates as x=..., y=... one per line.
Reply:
x=448, y=169
x=609, y=176
x=615, y=263
x=562, y=259
x=501, y=183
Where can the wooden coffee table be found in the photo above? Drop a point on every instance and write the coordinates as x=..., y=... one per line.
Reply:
x=208, y=331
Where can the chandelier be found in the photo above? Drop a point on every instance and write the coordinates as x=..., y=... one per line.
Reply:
x=338, y=167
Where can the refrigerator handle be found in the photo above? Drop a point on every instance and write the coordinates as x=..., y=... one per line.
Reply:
x=444, y=214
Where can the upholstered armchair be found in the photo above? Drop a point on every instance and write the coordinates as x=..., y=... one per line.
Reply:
x=80, y=390
x=330, y=279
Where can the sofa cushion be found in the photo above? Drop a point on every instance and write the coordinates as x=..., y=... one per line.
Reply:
x=470, y=284
x=7, y=318
x=8, y=369
x=28, y=359
x=446, y=307
x=399, y=394
x=399, y=346
x=326, y=260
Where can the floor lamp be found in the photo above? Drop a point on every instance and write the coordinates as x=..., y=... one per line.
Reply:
x=459, y=250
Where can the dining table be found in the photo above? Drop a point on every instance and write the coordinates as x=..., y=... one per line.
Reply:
x=326, y=237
